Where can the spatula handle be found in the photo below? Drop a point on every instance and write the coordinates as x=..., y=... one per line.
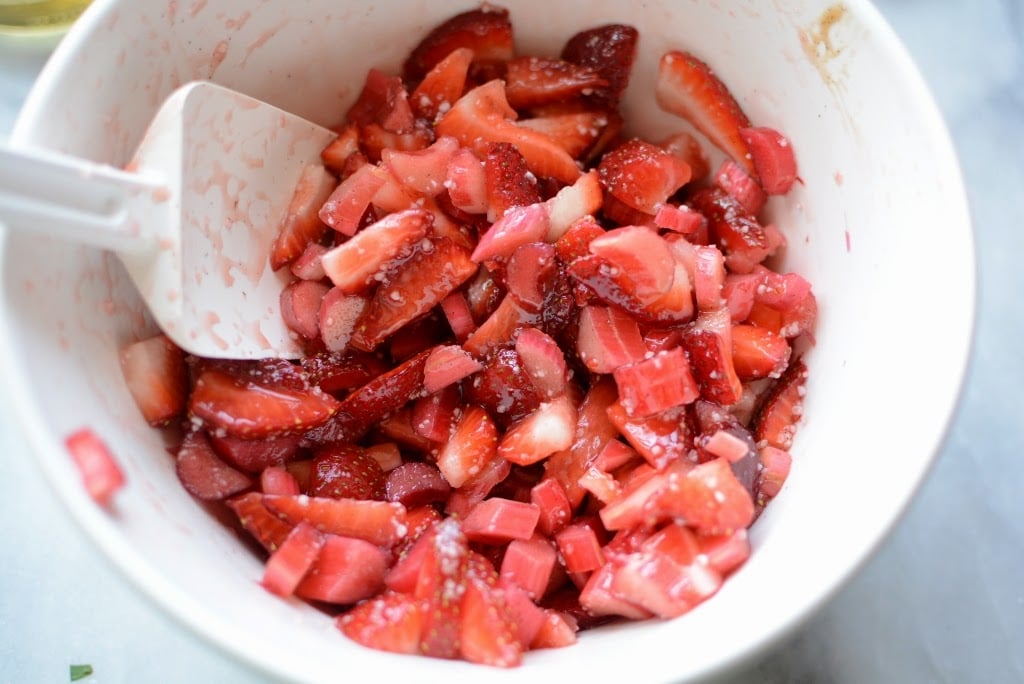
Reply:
x=81, y=201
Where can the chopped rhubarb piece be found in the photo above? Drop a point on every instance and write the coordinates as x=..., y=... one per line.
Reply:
x=446, y=365
x=358, y=263
x=498, y=521
x=277, y=480
x=725, y=552
x=345, y=471
x=101, y=474
x=708, y=343
x=416, y=484
x=300, y=307
x=390, y=622
x=773, y=158
x=265, y=527
x=486, y=31
x=302, y=225
x=533, y=81
x=708, y=277
x=422, y=171
x=154, y=371
x=608, y=339
x=434, y=416
x=387, y=455
x=203, y=474
x=475, y=489
x=580, y=548
x=572, y=203
x=611, y=50
x=338, y=315
x=374, y=139
x=758, y=352
x=347, y=570
x=518, y=226
x=641, y=175
x=656, y=384
x=378, y=522
x=689, y=149
x=543, y=361
x=530, y=270
x=459, y=317
x=345, y=207
x=775, y=465
x=471, y=446
x=557, y=631
x=549, y=496
x=467, y=182
x=549, y=429
x=724, y=444
x=732, y=178
x=597, y=597
x=680, y=219
x=776, y=421
x=292, y=560
x=529, y=563
x=782, y=291
x=308, y=266
x=738, y=292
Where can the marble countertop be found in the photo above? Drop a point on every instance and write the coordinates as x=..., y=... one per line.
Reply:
x=942, y=600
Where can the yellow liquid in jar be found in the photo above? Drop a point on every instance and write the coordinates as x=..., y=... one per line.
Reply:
x=38, y=16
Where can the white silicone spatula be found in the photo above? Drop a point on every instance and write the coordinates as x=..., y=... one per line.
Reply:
x=192, y=218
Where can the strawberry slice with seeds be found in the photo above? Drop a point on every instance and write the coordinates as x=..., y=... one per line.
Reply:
x=446, y=365
x=641, y=175
x=708, y=344
x=775, y=422
x=467, y=182
x=679, y=219
x=576, y=132
x=709, y=498
x=255, y=455
x=557, y=631
x=775, y=465
x=302, y=224
x=509, y=183
x=336, y=372
x=436, y=269
x=660, y=438
x=608, y=339
x=758, y=352
x=341, y=148
x=503, y=387
x=345, y=471
x=265, y=527
x=773, y=158
x=355, y=265
x=743, y=240
x=378, y=522
x=101, y=474
x=154, y=371
x=416, y=484
x=486, y=31
x=688, y=88
x=422, y=171
x=343, y=210
x=292, y=560
x=572, y=204
x=442, y=85
x=518, y=226
x=575, y=242
x=549, y=429
x=434, y=416
x=533, y=81
x=347, y=570
x=472, y=445
x=656, y=384
x=203, y=474
x=732, y=178
x=610, y=50
x=441, y=585
x=640, y=257
x=487, y=633
x=543, y=361
x=390, y=622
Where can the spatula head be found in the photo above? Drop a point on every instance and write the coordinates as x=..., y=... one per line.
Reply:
x=229, y=165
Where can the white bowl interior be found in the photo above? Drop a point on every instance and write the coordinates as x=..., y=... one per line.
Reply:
x=879, y=225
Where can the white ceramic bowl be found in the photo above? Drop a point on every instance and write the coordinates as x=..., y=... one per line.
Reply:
x=879, y=225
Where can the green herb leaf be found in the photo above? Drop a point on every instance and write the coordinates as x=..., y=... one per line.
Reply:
x=80, y=672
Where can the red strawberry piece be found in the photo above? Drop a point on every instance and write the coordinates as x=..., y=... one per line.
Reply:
x=656, y=384
x=341, y=148
x=617, y=212
x=446, y=365
x=548, y=429
x=773, y=158
x=602, y=486
x=302, y=224
x=343, y=210
x=404, y=575
x=378, y=522
x=375, y=139
x=575, y=242
x=277, y=480
x=422, y=335
x=508, y=182
x=503, y=388
x=641, y=175
x=499, y=329
x=611, y=285
x=483, y=116
x=347, y=570
x=679, y=219
x=597, y=597
x=580, y=548
x=690, y=150
x=467, y=182
x=292, y=560
x=661, y=339
x=527, y=616
x=758, y=352
x=738, y=291
x=571, y=204
x=660, y=438
x=254, y=455
x=398, y=427
x=390, y=622
x=530, y=271
x=457, y=312
x=498, y=521
x=486, y=31
x=708, y=344
x=543, y=361
x=487, y=634
x=154, y=371
x=741, y=238
x=520, y=225
x=337, y=372
x=782, y=291
x=383, y=101
x=709, y=498
x=265, y=527
x=470, y=448
x=483, y=294
x=434, y=416
x=725, y=552
x=528, y=563
x=775, y=465
x=368, y=405
x=346, y=471
x=640, y=257
x=422, y=171
x=442, y=85
x=790, y=322
x=660, y=584
x=203, y=474
x=775, y=422
x=732, y=178
x=436, y=269
x=533, y=81
x=557, y=631
x=610, y=50
x=308, y=266
x=358, y=263
x=608, y=339
x=550, y=497
x=576, y=132
x=416, y=484
x=475, y=489
x=101, y=474
x=688, y=88
x=615, y=455
x=300, y=307
x=441, y=585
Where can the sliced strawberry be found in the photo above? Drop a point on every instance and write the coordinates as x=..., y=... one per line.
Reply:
x=758, y=352
x=531, y=269
x=498, y=521
x=732, y=178
x=344, y=208
x=302, y=224
x=203, y=474
x=338, y=315
x=378, y=522
x=520, y=225
x=775, y=465
x=789, y=323
x=773, y=158
x=781, y=291
x=358, y=263
x=527, y=617
x=549, y=429
x=741, y=238
x=611, y=285
x=265, y=527
x=308, y=265
x=375, y=139
x=503, y=388
x=483, y=116
x=641, y=175
x=434, y=416
x=528, y=563
x=347, y=570
x=416, y=484
x=300, y=307
x=690, y=150
x=543, y=361
x=575, y=242
x=476, y=488
x=508, y=182
x=383, y=101
x=533, y=81
x=254, y=455
x=776, y=421
x=571, y=204
x=549, y=496
x=656, y=384
x=101, y=474
x=608, y=339
x=708, y=344
x=725, y=552
x=709, y=498
x=610, y=50
x=615, y=455
x=346, y=471
x=390, y=622
x=576, y=132
x=658, y=583
x=642, y=258
x=441, y=585
x=277, y=480
x=487, y=633
x=467, y=182
x=557, y=631
x=154, y=371
x=292, y=560
x=422, y=171
x=738, y=290
x=436, y=269
x=499, y=329
x=442, y=85
x=470, y=448
x=340, y=149
x=660, y=438
x=486, y=31
x=446, y=365
x=597, y=597
x=336, y=372
x=688, y=88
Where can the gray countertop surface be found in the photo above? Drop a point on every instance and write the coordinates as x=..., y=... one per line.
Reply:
x=942, y=600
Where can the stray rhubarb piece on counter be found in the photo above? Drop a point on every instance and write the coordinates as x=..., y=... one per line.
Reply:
x=101, y=475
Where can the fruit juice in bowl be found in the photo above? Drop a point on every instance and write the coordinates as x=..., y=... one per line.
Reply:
x=449, y=291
